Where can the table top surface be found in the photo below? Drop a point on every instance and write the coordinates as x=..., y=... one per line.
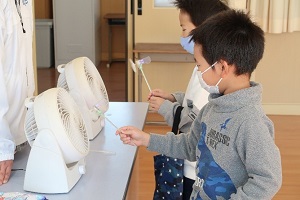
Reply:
x=107, y=175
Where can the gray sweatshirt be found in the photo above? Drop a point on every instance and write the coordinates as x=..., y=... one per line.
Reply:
x=194, y=98
x=232, y=141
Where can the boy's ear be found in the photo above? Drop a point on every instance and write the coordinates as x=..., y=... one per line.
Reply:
x=225, y=68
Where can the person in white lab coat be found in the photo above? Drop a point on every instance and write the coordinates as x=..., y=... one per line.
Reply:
x=16, y=78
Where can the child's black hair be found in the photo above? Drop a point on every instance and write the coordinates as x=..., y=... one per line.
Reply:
x=233, y=37
x=200, y=10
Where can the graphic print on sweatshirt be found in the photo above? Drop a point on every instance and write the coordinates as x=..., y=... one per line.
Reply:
x=214, y=180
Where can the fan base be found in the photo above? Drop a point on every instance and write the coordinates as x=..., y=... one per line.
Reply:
x=46, y=170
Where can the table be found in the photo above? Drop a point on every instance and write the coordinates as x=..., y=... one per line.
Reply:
x=113, y=19
x=107, y=176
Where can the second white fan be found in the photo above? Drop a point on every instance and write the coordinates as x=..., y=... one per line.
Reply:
x=83, y=81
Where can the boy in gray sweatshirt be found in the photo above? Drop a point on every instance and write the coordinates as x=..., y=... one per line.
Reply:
x=231, y=139
x=192, y=13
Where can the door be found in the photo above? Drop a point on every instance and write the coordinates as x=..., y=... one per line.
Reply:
x=156, y=21
x=130, y=79
x=72, y=40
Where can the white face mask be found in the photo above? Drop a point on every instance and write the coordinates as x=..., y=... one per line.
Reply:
x=208, y=88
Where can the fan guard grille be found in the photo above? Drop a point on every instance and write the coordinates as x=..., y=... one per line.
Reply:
x=31, y=129
x=62, y=81
x=96, y=84
x=72, y=121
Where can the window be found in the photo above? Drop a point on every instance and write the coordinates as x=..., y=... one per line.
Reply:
x=273, y=16
x=163, y=3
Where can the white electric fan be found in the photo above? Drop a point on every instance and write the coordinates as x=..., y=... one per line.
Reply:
x=82, y=80
x=55, y=129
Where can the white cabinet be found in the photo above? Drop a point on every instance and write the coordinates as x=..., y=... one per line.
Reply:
x=76, y=30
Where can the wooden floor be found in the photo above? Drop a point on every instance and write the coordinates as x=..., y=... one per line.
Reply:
x=141, y=186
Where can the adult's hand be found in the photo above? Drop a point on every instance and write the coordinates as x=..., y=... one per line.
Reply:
x=5, y=170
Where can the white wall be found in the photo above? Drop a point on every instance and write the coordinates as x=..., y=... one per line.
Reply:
x=279, y=73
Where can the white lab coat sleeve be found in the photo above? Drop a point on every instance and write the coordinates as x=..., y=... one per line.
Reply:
x=7, y=145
